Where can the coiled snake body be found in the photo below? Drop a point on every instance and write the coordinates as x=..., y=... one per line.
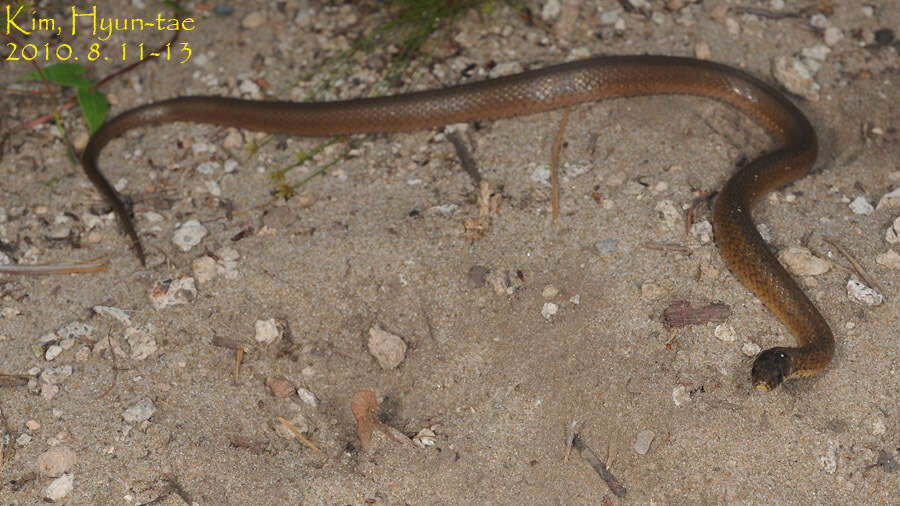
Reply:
x=741, y=246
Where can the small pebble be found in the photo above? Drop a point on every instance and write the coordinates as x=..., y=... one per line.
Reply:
x=889, y=201
x=59, y=488
x=680, y=395
x=279, y=386
x=549, y=292
x=267, y=331
x=551, y=10
x=651, y=290
x=173, y=292
x=308, y=397
x=642, y=442
x=833, y=35
x=829, y=460
x=204, y=269
x=859, y=292
x=861, y=205
x=889, y=259
x=725, y=333
x=818, y=20
x=189, y=234
x=425, y=437
x=53, y=351
x=802, y=262
x=56, y=461
x=750, y=349
x=702, y=51
x=548, y=310
x=796, y=77
x=253, y=20
x=141, y=341
x=389, y=350
x=892, y=235
x=140, y=411
x=604, y=246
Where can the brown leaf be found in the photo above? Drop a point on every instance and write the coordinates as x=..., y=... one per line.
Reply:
x=363, y=405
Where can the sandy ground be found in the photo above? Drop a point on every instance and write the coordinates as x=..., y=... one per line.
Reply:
x=497, y=382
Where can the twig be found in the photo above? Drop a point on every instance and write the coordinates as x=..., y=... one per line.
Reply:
x=856, y=266
x=465, y=157
x=614, y=486
x=297, y=433
x=50, y=269
x=554, y=162
x=238, y=356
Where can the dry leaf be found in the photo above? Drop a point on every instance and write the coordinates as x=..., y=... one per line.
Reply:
x=363, y=405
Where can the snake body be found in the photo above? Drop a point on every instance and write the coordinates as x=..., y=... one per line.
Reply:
x=554, y=87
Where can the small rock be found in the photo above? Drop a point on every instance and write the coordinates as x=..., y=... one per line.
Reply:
x=892, y=236
x=204, y=269
x=140, y=411
x=859, y=292
x=59, y=488
x=33, y=425
x=56, y=461
x=818, y=20
x=890, y=200
x=725, y=333
x=802, y=262
x=651, y=291
x=173, y=292
x=680, y=395
x=424, y=438
x=477, y=275
x=750, y=349
x=833, y=35
x=189, y=234
x=702, y=51
x=549, y=292
x=702, y=230
x=861, y=206
x=113, y=312
x=253, y=20
x=55, y=375
x=669, y=213
x=279, y=386
x=267, y=331
x=308, y=397
x=796, y=77
x=604, y=246
x=548, y=310
x=389, y=350
x=829, y=460
x=53, y=351
x=550, y=10
x=75, y=329
x=142, y=343
x=889, y=259
x=642, y=442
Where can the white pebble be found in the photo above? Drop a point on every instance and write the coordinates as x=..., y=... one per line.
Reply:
x=53, y=351
x=861, y=206
x=549, y=292
x=267, y=331
x=189, y=234
x=890, y=200
x=802, y=262
x=750, y=349
x=833, y=35
x=142, y=410
x=389, y=350
x=725, y=333
x=253, y=20
x=548, y=310
x=859, y=292
x=642, y=442
x=56, y=461
x=889, y=259
x=680, y=395
x=796, y=77
x=59, y=488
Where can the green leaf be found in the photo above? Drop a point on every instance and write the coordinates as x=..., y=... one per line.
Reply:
x=94, y=106
x=65, y=74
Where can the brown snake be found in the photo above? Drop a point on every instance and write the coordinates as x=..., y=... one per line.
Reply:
x=741, y=246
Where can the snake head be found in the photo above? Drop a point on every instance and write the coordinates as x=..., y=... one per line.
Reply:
x=770, y=368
